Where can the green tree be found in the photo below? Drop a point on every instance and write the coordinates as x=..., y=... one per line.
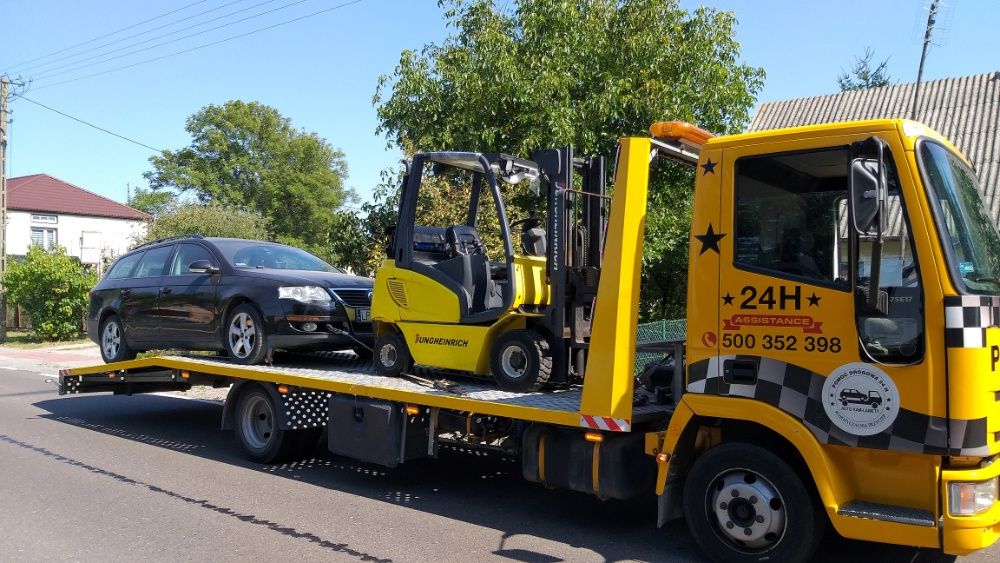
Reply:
x=154, y=202
x=52, y=288
x=248, y=155
x=547, y=74
x=210, y=220
x=864, y=75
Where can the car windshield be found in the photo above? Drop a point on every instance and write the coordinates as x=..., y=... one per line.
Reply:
x=968, y=233
x=249, y=254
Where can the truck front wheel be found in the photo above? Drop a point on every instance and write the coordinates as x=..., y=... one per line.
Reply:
x=743, y=503
x=259, y=434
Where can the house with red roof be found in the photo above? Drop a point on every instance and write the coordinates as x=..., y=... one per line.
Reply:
x=47, y=211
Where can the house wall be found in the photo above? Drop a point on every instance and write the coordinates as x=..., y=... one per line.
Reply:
x=88, y=238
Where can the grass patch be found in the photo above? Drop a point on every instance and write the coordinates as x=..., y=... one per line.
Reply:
x=26, y=339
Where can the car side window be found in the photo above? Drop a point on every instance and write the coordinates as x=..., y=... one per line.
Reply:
x=153, y=262
x=186, y=254
x=123, y=268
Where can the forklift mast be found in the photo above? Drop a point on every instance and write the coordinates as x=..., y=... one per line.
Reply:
x=575, y=233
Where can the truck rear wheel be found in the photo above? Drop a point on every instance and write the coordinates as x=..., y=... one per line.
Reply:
x=259, y=434
x=743, y=503
x=521, y=361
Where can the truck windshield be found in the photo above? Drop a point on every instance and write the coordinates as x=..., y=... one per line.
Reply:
x=968, y=233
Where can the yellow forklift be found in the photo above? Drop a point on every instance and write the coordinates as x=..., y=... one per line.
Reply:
x=521, y=312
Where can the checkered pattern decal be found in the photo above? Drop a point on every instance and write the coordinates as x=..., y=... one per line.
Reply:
x=966, y=318
x=798, y=392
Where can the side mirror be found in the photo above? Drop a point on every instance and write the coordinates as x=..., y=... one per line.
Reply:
x=867, y=183
x=203, y=267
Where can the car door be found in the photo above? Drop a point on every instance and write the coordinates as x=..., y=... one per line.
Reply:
x=139, y=296
x=187, y=308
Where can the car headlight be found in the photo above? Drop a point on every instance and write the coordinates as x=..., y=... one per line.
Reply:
x=967, y=499
x=304, y=293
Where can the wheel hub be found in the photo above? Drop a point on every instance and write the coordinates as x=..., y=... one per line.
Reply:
x=514, y=362
x=387, y=355
x=748, y=509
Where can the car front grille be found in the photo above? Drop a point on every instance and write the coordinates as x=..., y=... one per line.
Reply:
x=354, y=297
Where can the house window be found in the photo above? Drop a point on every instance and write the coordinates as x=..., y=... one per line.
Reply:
x=44, y=237
x=44, y=218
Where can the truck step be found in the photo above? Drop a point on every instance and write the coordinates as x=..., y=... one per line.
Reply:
x=887, y=513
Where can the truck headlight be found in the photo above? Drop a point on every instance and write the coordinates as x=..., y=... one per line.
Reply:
x=967, y=499
x=304, y=293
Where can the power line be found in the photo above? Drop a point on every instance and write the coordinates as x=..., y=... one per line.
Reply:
x=76, y=68
x=87, y=123
x=111, y=33
x=126, y=38
x=337, y=7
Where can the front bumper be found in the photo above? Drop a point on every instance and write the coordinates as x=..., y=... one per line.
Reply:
x=336, y=326
x=963, y=535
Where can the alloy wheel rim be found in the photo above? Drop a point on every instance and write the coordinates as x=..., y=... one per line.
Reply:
x=242, y=335
x=387, y=355
x=111, y=340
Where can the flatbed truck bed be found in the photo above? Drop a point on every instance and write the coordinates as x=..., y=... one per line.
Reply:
x=345, y=374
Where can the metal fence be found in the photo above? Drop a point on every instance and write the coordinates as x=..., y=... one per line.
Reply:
x=657, y=331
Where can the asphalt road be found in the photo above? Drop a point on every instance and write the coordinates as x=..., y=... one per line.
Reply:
x=152, y=478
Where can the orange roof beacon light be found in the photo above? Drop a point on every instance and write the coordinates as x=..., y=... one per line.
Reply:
x=686, y=133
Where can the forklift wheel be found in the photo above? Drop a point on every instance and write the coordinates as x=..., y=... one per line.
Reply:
x=392, y=357
x=521, y=361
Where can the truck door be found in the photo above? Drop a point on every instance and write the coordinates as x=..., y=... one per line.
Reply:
x=796, y=330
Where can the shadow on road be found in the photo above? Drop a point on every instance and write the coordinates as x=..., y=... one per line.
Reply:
x=485, y=489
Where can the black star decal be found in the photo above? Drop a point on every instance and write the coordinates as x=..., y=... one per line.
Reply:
x=709, y=167
x=814, y=300
x=709, y=240
x=727, y=299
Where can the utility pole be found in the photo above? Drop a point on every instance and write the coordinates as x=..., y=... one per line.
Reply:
x=931, y=19
x=4, y=122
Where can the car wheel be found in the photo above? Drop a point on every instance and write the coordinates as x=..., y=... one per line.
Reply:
x=392, y=356
x=521, y=361
x=114, y=348
x=745, y=504
x=245, y=339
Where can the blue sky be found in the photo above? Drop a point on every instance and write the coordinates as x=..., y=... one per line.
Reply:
x=321, y=71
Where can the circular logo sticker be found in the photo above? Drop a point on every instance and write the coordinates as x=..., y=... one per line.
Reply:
x=860, y=399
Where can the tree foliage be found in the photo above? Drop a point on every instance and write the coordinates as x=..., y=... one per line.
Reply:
x=154, y=202
x=210, y=220
x=547, y=74
x=52, y=288
x=247, y=155
x=864, y=75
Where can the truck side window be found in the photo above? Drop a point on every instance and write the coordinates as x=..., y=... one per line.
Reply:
x=786, y=214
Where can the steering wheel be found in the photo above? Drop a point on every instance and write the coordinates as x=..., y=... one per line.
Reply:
x=522, y=222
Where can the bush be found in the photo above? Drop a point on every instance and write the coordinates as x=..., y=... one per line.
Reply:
x=210, y=220
x=52, y=288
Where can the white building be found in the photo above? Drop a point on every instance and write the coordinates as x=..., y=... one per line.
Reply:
x=47, y=211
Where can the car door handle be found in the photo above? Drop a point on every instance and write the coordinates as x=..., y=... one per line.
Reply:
x=167, y=289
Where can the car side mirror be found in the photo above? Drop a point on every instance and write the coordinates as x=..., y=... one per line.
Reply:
x=203, y=267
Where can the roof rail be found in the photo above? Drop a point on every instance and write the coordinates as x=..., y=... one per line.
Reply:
x=168, y=239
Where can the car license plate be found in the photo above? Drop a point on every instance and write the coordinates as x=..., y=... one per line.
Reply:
x=362, y=315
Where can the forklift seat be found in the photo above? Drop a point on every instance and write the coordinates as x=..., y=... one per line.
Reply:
x=463, y=240
x=470, y=267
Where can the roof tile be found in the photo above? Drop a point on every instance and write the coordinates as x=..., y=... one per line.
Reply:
x=41, y=192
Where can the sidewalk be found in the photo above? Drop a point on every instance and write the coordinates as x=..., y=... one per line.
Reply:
x=50, y=359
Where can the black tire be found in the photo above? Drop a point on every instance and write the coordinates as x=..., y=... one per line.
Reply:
x=362, y=353
x=521, y=360
x=243, y=335
x=733, y=482
x=259, y=435
x=114, y=347
x=392, y=355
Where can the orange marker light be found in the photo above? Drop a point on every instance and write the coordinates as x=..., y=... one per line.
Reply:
x=185, y=375
x=111, y=375
x=662, y=458
x=283, y=389
x=687, y=133
x=412, y=410
x=593, y=437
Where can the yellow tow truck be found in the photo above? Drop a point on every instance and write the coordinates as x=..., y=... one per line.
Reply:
x=839, y=366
